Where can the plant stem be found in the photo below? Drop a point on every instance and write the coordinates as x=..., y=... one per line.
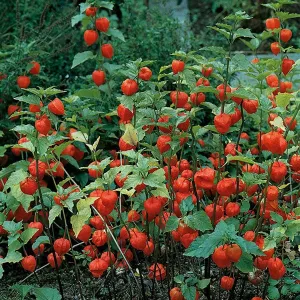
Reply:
x=264, y=196
x=236, y=149
x=141, y=274
x=265, y=287
x=46, y=220
x=207, y=276
x=194, y=168
x=293, y=118
x=74, y=259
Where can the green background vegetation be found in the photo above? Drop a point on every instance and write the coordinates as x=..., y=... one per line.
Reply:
x=40, y=29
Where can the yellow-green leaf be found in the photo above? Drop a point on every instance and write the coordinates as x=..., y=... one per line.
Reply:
x=130, y=136
x=283, y=99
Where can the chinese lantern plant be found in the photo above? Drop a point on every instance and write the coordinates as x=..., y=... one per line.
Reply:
x=27, y=179
x=228, y=187
x=97, y=30
x=150, y=182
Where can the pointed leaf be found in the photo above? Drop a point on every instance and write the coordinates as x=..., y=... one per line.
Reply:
x=172, y=224
x=46, y=294
x=130, y=135
x=245, y=264
x=80, y=58
x=54, y=212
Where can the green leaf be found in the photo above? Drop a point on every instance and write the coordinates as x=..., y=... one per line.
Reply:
x=78, y=221
x=253, y=44
x=214, y=49
x=238, y=16
x=30, y=99
x=93, y=93
x=243, y=32
x=204, y=89
x=13, y=257
x=293, y=228
x=186, y=205
x=50, y=91
x=285, y=290
x=130, y=136
x=240, y=63
x=252, y=178
x=246, y=246
x=60, y=148
x=2, y=215
x=15, y=178
x=245, y=264
x=273, y=293
x=269, y=243
x=2, y=151
x=203, y=283
x=179, y=278
x=46, y=294
x=189, y=77
x=155, y=179
x=11, y=226
x=188, y=292
x=200, y=221
x=297, y=211
x=84, y=6
x=84, y=213
x=172, y=223
x=22, y=289
x=205, y=245
x=277, y=218
x=80, y=58
x=43, y=239
x=54, y=212
x=250, y=225
x=132, y=181
x=13, y=242
x=162, y=191
x=245, y=206
x=226, y=26
x=24, y=199
x=27, y=234
x=283, y=99
x=116, y=33
x=265, y=104
x=243, y=93
x=295, y=288
x=71, y=160
x=82, y=179
x=24, y=129
x=27, y=145
x=285, y=15
x=273, y=6
x=80, y=136
x=220, y=30
x=147, y=63
x=43, y=145
x=76, y=19
x=199, y=247
x=111, y=68
x=233, y=221
x=105, y=4
x=292, y=50
x=240, y=158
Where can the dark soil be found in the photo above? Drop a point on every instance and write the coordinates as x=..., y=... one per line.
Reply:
x=121, y=285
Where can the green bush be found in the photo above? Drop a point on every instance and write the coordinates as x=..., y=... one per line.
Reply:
x=150, y=34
